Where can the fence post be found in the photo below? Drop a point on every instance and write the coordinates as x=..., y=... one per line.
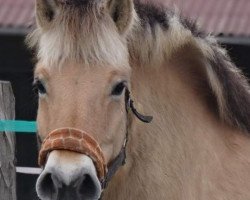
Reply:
x=7, y=144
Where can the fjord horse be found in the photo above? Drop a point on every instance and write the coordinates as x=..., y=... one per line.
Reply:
x=105, y=64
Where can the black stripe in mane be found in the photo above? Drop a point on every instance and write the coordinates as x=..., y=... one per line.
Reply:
x=152, y=15
x=235, y=88
x=192, y=26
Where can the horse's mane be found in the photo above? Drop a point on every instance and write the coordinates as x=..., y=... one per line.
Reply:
x=157, y=35
x=161, y=33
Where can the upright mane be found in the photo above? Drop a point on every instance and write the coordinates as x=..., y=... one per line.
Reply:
x=162, y=34
x=158, y=34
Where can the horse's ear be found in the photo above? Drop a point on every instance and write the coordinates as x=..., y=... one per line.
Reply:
x=45, y=12
x=122, y=12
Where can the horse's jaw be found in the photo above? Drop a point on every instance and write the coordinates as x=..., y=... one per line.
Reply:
x=68, y=175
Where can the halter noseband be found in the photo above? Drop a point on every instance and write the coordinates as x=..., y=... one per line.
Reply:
x=79, y=141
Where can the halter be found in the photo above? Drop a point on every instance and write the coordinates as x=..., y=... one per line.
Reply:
x=120, y=159
x=81, y=142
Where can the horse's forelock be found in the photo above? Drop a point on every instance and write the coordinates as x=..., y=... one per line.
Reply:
x=80, y=34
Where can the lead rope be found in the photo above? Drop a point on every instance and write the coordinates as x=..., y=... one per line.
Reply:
x=120, y=160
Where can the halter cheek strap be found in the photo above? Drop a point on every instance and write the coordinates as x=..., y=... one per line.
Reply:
x=120, y=160
x=113, y=167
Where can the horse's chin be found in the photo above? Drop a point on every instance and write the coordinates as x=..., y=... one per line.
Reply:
x=67, y=176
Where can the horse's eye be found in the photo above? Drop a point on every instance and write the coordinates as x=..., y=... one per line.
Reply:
x=39, y=87
x=118, y=89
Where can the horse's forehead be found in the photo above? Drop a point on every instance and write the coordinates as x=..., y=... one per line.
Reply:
x=101, y=45
x=77, y=70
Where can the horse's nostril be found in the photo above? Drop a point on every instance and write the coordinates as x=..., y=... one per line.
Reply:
x=88, y=188
x=47, y=185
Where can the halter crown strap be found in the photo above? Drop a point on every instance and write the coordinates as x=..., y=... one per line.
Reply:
x=120, y=159
x=130, y=105
x=143, y=118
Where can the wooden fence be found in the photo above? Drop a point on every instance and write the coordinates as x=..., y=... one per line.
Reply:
x=7, y=144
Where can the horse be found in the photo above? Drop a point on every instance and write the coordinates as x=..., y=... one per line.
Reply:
x=104, y=67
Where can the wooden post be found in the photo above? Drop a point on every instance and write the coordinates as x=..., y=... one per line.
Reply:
x=7, y=144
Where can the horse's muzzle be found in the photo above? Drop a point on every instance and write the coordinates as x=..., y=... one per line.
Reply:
x=68, y=175
x=75, y=166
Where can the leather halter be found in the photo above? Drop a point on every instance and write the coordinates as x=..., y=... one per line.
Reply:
x=78, y=141
x=120, y=159
x=74, y=140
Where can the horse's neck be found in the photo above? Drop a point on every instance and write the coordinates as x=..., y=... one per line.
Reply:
x=185, y=153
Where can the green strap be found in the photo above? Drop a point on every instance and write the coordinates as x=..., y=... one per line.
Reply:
x=18, y=126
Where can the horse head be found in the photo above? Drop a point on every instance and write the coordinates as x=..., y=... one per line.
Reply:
x=94, y=58
x=83, y=81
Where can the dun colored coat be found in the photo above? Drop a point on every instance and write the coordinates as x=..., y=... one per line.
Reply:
x=198, y=144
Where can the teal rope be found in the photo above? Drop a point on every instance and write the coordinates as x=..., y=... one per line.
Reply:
x=18, y=126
